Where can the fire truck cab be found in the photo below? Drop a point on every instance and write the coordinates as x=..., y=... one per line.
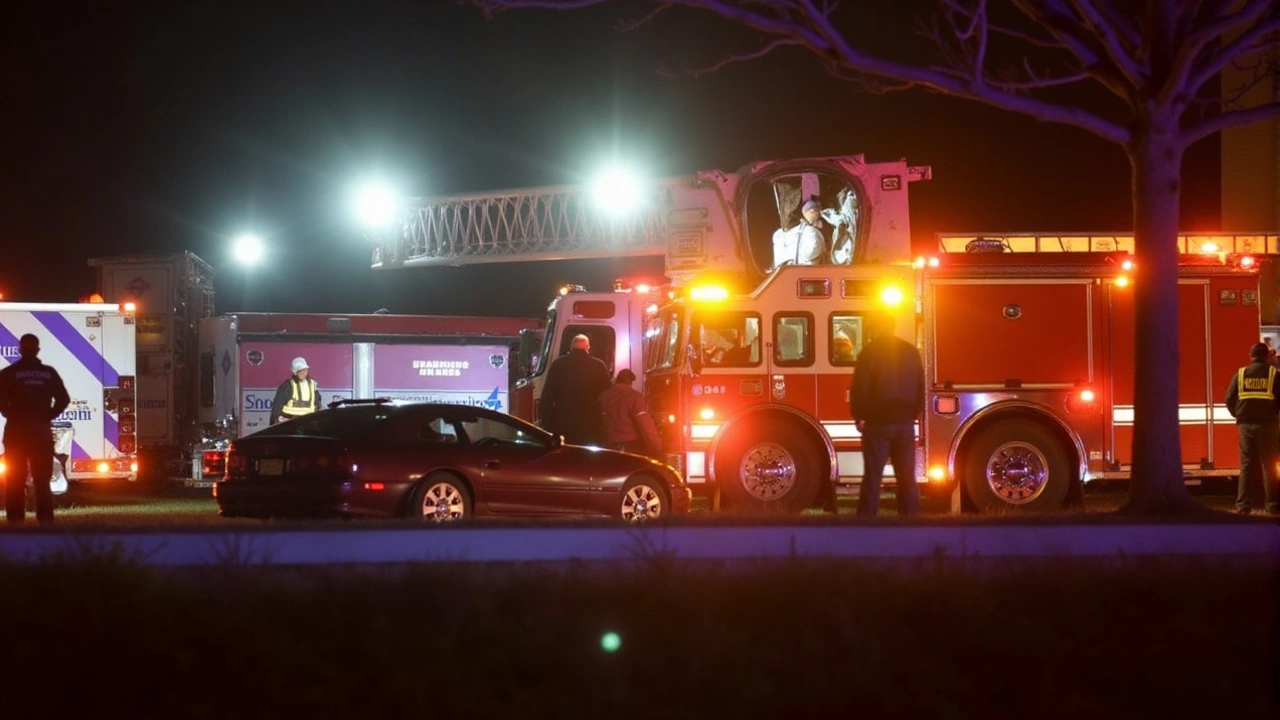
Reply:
x=751, y=392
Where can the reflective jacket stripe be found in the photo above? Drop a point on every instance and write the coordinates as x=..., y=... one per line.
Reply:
x=1256, y=394
x=301, y=406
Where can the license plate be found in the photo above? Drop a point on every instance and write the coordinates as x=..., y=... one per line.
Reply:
x=271, y=466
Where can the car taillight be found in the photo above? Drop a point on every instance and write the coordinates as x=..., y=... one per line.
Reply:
x=236, y=463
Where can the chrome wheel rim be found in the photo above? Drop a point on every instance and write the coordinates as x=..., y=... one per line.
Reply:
x=1017, y=472
x=443, y=502
x=640, y=503
x=768, y=472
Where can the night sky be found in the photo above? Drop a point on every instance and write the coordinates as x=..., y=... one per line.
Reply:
x=146, y=127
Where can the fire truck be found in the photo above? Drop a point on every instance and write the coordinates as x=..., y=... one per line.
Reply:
x=707, y=222
x=1028, y=350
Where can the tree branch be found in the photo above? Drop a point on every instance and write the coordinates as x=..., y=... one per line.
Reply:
x=1217, y=123
x=730, y=60
x=1255, y=39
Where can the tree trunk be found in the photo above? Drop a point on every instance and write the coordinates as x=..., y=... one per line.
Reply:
x=1157, y=486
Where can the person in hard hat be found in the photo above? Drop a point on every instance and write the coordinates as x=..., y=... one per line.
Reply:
x=570, y=402
x=296, y=396
x=32, y=394
x=1253, y=399
x=627, y=423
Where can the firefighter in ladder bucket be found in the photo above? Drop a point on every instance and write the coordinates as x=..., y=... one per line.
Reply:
x=296, y=396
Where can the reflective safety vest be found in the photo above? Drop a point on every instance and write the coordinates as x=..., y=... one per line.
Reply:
x=303, y=401
x=1252, y=388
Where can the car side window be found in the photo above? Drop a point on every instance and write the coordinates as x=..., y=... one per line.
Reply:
x=435, y=429
x=490, y=431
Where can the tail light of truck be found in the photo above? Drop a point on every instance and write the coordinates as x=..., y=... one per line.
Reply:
x=213, y=463
x=101, y=466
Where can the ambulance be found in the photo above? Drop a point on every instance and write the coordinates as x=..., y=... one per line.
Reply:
x=92, y=346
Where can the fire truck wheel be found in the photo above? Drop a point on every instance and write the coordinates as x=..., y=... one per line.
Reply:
x=1017, y=466
x=768, y=470
x=441, y=498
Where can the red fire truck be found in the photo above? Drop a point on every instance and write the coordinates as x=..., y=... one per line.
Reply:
x=750, y=387
x=709, y=221
x=1028, y=357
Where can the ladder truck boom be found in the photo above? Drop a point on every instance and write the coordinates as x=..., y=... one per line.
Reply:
x=705, y=221
x=554, y=223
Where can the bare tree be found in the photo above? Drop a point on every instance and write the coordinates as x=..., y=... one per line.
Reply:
x=1156, y=62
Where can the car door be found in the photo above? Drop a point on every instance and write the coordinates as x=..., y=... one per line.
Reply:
x=520, y=472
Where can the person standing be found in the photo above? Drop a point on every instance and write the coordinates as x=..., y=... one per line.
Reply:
x=296, y=396
x=628, y=425
x=32, y=394
x=570, y=402
x=1253, y=402
x=886, y=398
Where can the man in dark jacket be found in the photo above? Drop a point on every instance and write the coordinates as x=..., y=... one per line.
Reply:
x=627, y=423
x=570, y=402
x=31, y=396
x=1253, y=402
x=885, y=400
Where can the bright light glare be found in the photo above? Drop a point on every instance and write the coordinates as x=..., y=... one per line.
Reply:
x=708, y=292
x=1247, y=261
x=937, y=473
x=892, y=296
x=617, y=191
x=707, y=414
x=610, y=642
x=376, y=204
x=1122, y=281
x=248, y=249
x=1209, y=247
x=1087, y=396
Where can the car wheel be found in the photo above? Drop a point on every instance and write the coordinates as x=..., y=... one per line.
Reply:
x=441, y=498
x=768, y=470
x=642, y=499
x=1017, y=466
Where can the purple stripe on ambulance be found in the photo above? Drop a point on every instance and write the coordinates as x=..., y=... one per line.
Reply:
x=8, y=340
x=79, y=347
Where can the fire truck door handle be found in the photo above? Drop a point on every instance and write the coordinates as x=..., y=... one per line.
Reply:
x=492, y=464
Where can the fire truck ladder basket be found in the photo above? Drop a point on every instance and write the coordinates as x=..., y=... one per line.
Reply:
x=515, y=226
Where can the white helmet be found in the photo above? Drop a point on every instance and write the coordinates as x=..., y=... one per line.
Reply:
x=299, y=363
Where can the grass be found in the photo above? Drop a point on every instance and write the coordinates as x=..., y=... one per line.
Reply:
x=1150, y=638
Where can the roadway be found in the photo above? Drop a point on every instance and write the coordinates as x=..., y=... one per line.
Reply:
x=189, y=534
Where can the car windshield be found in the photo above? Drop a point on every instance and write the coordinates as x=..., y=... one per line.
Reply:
x=349, y=423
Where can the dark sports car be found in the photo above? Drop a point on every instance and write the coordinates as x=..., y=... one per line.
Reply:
x=436, y=462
